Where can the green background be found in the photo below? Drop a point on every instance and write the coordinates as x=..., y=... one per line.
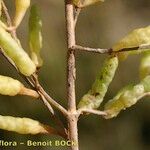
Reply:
x=100, y=25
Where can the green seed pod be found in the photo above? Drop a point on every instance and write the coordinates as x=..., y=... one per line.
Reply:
x=146, y=83
x=145, y=65
x=12, y=87
x=84, y=3
x=21, y=8
x=35, y=36
x=16, y=53
x=9, y=86
x=126, y=98
x=23, y=125
x=94, y=97
x=134, y=39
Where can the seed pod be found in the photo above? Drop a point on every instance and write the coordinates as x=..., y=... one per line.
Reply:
x=24, y=125
x=12, y=87
x=16, y=53
x=84, y=3
x=146, y=83
x=9, y=86
x=145, y=65
x=21, y=8
x=136, y=38
x=35, y=36
x=126, y=98
x=94, y=97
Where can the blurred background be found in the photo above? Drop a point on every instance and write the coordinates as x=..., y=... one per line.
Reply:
x=100, y=25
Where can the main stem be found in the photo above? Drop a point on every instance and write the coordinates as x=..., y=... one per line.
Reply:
x=71, y=76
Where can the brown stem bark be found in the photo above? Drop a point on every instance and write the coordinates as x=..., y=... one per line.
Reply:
x=71, y=76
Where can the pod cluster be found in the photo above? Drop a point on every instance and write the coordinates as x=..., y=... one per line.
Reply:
x=130, y=94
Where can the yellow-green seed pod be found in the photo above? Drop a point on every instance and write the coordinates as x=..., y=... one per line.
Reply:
x=94, y=97
x=16, y=53
x=35, y=36
x=21, y=8
x=136, y=38
x=9, y=86
x=23, y=125
x=146, y=83
x=84, y=3
x=145, y=65
x=126, y=98
x=12, y=87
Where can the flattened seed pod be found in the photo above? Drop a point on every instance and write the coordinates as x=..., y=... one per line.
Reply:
x=145, y=65
x=16, y=53
x=136, y=38
x=35, y=36
x=9, y=86
x=126, y=98
x=23, y=125
x=94, y=97
x=21, y=8
x=84, y=3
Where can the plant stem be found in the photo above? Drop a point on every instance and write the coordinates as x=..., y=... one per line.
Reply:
x=52, y=101
x=9, y=22
x=71, y=76
x=77, y=12
x=89, y=49
x=91, y=111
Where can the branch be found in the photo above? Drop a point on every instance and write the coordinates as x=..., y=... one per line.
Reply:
x=95, y=50
x=52, y=101
x=110, y=50
x=40, y=89
x=137, y=48
x=77, y=13
x=9, y=22
x=91, y=111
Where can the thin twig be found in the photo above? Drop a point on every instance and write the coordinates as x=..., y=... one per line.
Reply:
x=110, y=50
x=95, y=50
x=92, y=111
x=52, y=101
x=40, y=89
x=9, y=22
x=47, y=104
x=62, y=129
x=137, y=48
x=77, y=13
